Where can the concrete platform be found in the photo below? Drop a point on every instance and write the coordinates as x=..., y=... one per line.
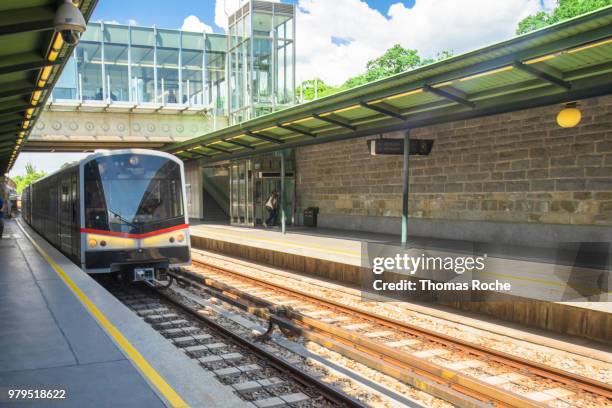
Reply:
x=545, y=277
x=82, y=340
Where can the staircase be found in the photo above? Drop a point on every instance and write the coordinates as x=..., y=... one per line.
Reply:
x=216, y=199
x=213, y=212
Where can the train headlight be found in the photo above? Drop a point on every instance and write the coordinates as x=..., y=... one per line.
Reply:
x=180, y=237
x=92, y=243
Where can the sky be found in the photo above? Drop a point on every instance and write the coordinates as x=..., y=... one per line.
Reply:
x=334, y=38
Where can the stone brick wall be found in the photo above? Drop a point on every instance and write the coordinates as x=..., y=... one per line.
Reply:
x=516, y=167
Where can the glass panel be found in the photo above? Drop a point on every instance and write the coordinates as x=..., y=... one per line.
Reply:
x=116, y=62
x=193, y=91
x=216, y=85
x=89, y=67
x=67, y=84
x=167, y=66
x=192, y=58
x=93, y=33
x=262, y=71
x=284, y=84
x=262, y=25
x=142, y=65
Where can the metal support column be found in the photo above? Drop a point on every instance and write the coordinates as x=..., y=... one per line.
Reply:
x=282, y=192
x=405, y=188
x=105, y=90
x=155, y=65
x=130, y=79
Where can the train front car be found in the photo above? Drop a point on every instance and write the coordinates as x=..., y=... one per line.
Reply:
x=134, y=214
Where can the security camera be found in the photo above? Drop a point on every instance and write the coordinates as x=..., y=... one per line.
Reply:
x=69, y=22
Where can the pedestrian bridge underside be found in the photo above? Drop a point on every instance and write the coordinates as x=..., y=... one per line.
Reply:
x=75, y=126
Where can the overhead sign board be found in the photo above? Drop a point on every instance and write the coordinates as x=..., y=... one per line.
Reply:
x=395, y=147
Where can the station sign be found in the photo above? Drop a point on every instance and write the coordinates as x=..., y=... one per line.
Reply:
x=395, y=147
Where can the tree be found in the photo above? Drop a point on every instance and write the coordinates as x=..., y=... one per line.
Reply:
x=395, y=60
x=31, y=176
x=565, y=9
x=309, y=88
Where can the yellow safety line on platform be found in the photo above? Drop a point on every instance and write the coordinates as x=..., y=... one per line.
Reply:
x=152, y=375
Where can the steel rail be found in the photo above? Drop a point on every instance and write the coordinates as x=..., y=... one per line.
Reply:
x=559, y=375
x=304, y=378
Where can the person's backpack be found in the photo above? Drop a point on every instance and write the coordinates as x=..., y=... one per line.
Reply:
x=270, y=203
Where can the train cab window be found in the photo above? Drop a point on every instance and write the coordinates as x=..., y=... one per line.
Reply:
x=133, y=193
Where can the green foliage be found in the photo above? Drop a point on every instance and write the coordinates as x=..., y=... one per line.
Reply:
x=395, y=60
x=309, y=88
x=31, y=176
x=565, y=9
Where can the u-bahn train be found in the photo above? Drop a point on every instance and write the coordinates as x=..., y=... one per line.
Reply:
x=121, y=211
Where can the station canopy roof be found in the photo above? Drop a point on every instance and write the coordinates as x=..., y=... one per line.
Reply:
x=561, y=63
x=32, y=56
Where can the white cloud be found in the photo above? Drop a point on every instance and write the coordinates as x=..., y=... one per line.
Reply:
x=131, y=21
x=335, y=39
x=193, y=23
x=430, y=27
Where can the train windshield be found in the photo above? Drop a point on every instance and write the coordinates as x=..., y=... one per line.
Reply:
x=133, y=193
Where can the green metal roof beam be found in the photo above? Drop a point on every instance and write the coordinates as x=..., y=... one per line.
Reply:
x=240, y=144
x=17, y=109
x=22, y=91
x=26, y=20
x=334, y=121
x=450, y=95
x=542, y=75
x=217, y=149
x=296, y=129
x=262, y=137
x=199, y=154
x=384, y=110
x=45, y=25
x=28, y=66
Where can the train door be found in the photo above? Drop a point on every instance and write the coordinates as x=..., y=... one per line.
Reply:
x=76, y=219
x=65, y=232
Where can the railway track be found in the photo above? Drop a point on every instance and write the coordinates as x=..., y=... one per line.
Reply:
x=459, y=372
x=255, y=374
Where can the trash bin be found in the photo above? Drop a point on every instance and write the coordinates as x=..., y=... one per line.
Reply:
x=310, y=216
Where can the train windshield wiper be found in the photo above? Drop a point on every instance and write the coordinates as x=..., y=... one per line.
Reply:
x=117, y=215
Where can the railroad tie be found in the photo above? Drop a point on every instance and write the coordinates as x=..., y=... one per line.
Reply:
x=250, y=386
x=281, y=401
x=146, y=312
x=173, y=323
x=233, y=371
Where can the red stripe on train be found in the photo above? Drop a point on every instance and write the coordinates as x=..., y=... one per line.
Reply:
x=137, y=236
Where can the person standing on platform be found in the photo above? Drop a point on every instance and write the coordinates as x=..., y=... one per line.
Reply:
x=272, y=207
